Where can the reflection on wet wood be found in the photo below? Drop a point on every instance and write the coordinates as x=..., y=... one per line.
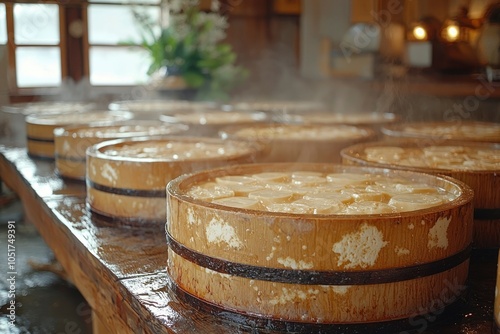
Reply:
x=120, y=270
x=35, y=176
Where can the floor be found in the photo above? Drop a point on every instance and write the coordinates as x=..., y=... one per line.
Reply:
x=45, y=302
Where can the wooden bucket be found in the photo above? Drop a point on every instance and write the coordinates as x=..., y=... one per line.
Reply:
x=301, y=142
x=40, y=128
x=463, y=130
x=483, y=179
x=126, y=178
x=294, y=270
x=209, y=121
x=17, y=112
x=71, y=142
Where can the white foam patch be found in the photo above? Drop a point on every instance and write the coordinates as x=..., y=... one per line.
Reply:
x=359, y=249
x=400, y=251
x=218, y=231
x=109, y=173
x=294, y=264
x=438, y=234
x=292, y=296
x=338, y=289
x=191, y=216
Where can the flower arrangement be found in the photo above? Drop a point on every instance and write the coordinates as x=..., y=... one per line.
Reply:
x=188, y=42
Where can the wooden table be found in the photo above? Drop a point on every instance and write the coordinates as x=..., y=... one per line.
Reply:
x=121, y=271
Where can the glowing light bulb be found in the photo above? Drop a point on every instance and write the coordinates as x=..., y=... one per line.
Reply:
x=419, y=33
x=452, y=33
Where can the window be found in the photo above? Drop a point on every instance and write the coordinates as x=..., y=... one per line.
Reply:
x=37, y=45
x=50, y=41
x=110, y=26
x=3, y=25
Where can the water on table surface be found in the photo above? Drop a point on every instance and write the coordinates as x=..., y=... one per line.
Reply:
x=45, y=302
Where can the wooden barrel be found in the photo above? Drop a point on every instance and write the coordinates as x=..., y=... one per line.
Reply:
x=40, y=128
x=126, y=178
x=476, y=164
x=301, y=142
x=17, y=112
x=460, y=130
x=208, y=122
x=293, y=267
x=71, y=142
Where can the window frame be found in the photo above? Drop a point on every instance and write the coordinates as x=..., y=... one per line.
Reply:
x=75, y=48
x=14, y=90
x=121, y=89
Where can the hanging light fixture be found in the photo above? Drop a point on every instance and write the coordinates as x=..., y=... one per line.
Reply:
x=453, y=32
x=419, y=32
x=423, y=30
x=419, y=42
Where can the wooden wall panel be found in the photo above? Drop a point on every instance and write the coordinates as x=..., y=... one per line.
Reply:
x=266, y=43
x=361, y=10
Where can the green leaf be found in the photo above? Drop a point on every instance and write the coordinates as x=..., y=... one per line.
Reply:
x=208, y=63
x=207, y=67
x=224, y=48
x=152, y=68
x=194, y=79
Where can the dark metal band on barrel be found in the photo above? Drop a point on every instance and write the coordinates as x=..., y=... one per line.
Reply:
x=313, y=277
x=42, y=140
x=104, y=220
x=40, y=157
x=272, y=324
x=127, y=192
x=486, y=214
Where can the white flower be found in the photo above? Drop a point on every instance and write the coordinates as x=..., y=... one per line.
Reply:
x=226, y=72
x=177, y=6
x=179, y=25
x=215, y=6
x=217, y=31
x=174, y=6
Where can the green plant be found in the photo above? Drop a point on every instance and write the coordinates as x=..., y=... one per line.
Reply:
x=190, y=41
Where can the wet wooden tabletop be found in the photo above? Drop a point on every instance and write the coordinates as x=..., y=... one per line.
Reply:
x=120, y=270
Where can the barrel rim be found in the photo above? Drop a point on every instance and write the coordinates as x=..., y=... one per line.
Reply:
x=72, y=130
x=134, y=105
x=95, y=151
x=174, y=190
x=379, y=118
x=230, y=132
x=397, y=131
x=38, y=107
x=170, y=118
x=53, y=119
x=351, y=154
